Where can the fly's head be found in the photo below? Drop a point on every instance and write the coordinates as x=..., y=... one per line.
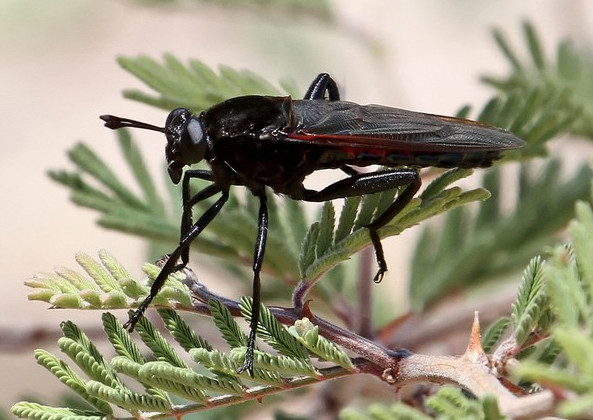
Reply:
x=186, y=141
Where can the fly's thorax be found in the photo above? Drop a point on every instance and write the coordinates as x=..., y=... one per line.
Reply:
x=247, y=116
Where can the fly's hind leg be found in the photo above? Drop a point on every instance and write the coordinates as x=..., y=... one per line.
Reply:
x=369, y=183
x=323, y=87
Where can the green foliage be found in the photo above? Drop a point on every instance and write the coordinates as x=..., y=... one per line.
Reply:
x=350, y=236
x=384, y=412
x=570, y=72
x=108, y=286
x=448, y=403
x=461, y=254
x=532, y=302
x=453, y=403
x=166, y=373
x=540, y=100
x=308, y=335
x=569, y=281
x=494, y=332
x=194, y=86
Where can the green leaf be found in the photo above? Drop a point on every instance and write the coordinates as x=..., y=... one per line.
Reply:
x=274, y=333
x=470, y=249
x=127, y=399
x=181, y=331
x=43, y=412
x=69, y=378
x=120, y=339
x=494, y=332
x=159, y=346
x=531, y=302
x=568, y=74
x=226, y=324
x=194, y=86
x=450, y=402
x=326, y=228
x=308, y=335
x=142, y=175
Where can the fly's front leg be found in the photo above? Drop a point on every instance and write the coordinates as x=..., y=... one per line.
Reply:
x=258, y=259
x=189, y=202
x=363, y=184
x=321, y=85
x=190, y=234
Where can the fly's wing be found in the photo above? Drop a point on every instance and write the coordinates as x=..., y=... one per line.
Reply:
x=347, y=124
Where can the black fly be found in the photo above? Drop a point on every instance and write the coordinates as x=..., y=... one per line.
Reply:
x=265, y=141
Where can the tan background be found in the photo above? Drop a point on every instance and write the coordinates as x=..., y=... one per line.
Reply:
x=57, y=74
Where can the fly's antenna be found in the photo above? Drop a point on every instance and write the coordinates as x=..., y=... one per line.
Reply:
x=113, y=122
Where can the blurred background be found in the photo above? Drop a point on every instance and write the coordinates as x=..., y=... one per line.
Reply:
x=58, y=74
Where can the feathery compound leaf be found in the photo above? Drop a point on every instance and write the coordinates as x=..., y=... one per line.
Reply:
x=274, y=333
x=283, y=365
x=450, y=402
x=165, y=376
x=140, y=171
x=569, y=73
x=108, y=285
x=183, y=334
x=100, y=275
x=531, y=301
x=512, y=237
x=379, y=411
x=326, y=228
x=160, y=347
x=190, y=378
x=80, y=349
x=120, y=339
x=36, y=411
x=194, y=86
x=568, y=300
x=88, y=162
x=128, y=399
x=307, y=255
x=308, y=335
x=494, y=332
x=581, y=230
x=226, y=324
x=219, y=362
x=443, y=181
x=347, y=217
x=69, y=378
x=414, y=212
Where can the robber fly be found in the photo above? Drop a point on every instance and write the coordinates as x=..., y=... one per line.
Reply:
x=266, y=141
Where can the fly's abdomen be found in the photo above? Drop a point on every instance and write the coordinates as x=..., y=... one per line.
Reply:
x=480, y=159
x=351, y=156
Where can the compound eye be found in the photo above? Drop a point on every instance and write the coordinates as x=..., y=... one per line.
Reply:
x=193, y=143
